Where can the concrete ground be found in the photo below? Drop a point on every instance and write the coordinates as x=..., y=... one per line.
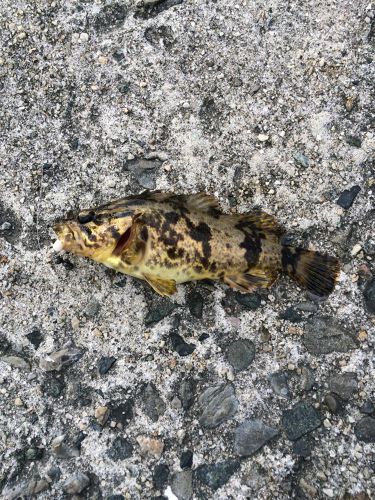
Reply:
x=107, y=391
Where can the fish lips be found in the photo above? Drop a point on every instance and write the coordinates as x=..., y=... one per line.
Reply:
x=68, y=237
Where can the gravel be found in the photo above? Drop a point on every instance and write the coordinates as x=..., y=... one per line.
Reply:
x=262, y=104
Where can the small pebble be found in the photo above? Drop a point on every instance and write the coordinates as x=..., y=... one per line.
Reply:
x=347, y=197
x=150, y=446
x=218, y=404
x=355, y=250
x=16, y=362
x=182, y=485
x=102, y=414
x=240, y=354
x=263, y=137
x=252, y=435
x=216, y=475
x=76, y=483
x=300, y=420
x=120, y=449
x=105, y=364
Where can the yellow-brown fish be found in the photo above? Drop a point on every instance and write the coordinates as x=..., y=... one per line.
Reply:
x=167, y=239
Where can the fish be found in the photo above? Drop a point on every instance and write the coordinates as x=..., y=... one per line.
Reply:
x=167, y=239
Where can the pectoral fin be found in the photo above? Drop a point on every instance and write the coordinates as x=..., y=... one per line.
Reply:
x=131, y=245
x=161, y=286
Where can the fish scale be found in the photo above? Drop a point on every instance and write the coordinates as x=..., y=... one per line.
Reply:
x=168, y=239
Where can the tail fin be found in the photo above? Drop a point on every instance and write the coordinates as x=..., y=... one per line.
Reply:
x=312, y=270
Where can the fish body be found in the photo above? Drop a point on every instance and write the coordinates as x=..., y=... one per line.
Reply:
x=168, y=239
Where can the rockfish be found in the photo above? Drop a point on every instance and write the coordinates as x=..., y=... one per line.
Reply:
x=166, y=239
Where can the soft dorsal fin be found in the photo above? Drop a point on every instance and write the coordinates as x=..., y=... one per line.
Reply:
x=202, y=202
x=257, y=220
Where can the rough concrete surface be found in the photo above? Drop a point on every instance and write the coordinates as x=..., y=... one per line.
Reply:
x=261, y=102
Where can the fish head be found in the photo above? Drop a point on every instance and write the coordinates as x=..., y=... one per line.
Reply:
x=94, y=233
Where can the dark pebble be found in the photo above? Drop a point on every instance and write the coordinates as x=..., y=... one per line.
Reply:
x=186, y=393
x=368, y=407
x=291, y=315
x=365, y=430
x=279, y=384
x=92, y=308
x=110, y=17
x=249, y=301
x=105, y=364
x=216, y=475
x=240, y=354
x=180, y=346
x=218, y=404
x=195, y=304
x=118, y=55
x=120, y=449
x=333, y=403
x=153, y=405
x=161, y=476
x=302, y=448
x=324, y=335
x=347, y=197
x=203, y=337
x=307, y=378
x=123, y=87
x=58, y=259
x=144, y=171
x=159, y=311
x=344, y=384
x=186, y=460
x=353, y=140
x=32, y=454
x=53, y=387
x=4, y=344
x=35, y=337
x=121, y=412
x=115, y=497
x=251, y=435
x=369, y=294
x=235, y=302
x=300, y=420
x=301, y=159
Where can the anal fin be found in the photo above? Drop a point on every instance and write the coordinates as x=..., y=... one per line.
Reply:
x=161, y=286
x=249, y=282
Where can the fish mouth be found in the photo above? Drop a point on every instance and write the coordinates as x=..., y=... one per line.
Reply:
x=67, y=238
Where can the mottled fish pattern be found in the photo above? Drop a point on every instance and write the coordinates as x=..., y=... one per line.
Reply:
x=168, y=239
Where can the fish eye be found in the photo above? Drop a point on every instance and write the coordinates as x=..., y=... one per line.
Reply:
x=84, y=219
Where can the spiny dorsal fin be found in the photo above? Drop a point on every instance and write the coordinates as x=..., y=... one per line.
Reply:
x=201, y=202
x=161, y=286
